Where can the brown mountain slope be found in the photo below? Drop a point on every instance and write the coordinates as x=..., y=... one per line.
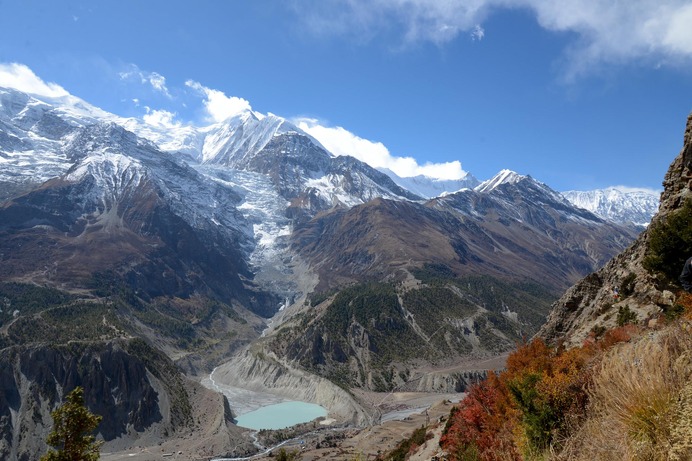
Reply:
x=502, y=234
x=403, y=285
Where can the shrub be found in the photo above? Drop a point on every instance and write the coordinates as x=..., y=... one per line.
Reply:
x=670, y=243
x=627, y=285
x=673, y=312
x=407, y=446
x=284, y=455
x=598, y=331
x=615, y=336
x=527, y=409
x=481, y=427
x=625, y=316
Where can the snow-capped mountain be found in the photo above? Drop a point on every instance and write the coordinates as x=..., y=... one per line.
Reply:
x=32, y=133
x=503, y=181
x=529, y=221
x=510, y=226
x=428, y=187
x=35, y=128
x=124, y=207
x=251, y=180
x=503, y=177
x=618, y=205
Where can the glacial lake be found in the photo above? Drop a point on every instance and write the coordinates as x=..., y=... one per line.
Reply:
x=280, y=415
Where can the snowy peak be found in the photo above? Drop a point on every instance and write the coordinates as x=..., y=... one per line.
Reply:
x=503, y=177
x=70, y=109
x=427, y=187
x=618, y=205
x=507, y=180
x=238, y=139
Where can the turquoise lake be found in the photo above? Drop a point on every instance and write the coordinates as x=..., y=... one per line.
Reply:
x=281, y=415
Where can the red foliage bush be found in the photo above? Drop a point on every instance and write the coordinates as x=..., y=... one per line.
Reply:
x=482, y=422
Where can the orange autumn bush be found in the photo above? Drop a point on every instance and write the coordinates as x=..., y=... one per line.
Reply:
x=522, y=411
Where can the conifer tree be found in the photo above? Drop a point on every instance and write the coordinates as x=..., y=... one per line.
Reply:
x=73, y=424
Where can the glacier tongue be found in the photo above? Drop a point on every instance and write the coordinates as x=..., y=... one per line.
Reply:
x=265, y=210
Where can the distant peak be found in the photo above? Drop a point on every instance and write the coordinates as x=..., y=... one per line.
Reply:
x=503, y=177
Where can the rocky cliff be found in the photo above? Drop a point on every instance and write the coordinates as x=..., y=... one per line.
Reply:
x=624, y=283
x=140, y=393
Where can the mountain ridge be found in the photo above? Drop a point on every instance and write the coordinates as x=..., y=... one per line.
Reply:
x=622, y=206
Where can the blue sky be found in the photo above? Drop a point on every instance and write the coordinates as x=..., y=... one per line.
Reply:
x=580, y=94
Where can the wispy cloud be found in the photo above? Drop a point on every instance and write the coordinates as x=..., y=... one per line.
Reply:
x=20, y=77
x=153, y=79
x=161, y=118
x=218, y=106
x=605, y=31
x=477, y=33
x=340, y=141
x=629, y=190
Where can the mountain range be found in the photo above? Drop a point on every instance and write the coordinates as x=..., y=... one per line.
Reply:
x=168, y=250
x=617, y=204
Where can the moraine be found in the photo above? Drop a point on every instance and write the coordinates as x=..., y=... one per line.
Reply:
x=263, y=410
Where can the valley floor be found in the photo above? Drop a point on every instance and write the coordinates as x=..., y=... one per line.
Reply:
x=413, y=410
x=402, y=413
x=396, y=414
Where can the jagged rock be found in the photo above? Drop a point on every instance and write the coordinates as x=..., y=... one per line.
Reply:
x=138, y=391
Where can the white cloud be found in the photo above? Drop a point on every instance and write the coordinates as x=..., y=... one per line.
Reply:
x=218, y=106
x=477, y=33
x=20, y=77
x=605, y=31
x=678, y=32
x=161, y=118
x=158, y=82
x=154, y=79
x=340, y=141
x=628, y=190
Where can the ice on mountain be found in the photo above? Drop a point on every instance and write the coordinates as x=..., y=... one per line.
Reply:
x=621, y=206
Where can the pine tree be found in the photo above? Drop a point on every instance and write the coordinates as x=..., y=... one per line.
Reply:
x=73, y=424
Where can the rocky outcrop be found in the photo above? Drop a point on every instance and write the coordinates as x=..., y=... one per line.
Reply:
x=35, y=378
x=262, y=371
x=446, y=383
x=623, y=282
x=137, y=390
x=677, y=182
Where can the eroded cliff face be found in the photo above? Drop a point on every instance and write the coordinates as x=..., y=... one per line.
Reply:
x=623, y=281
x=34, y=379
x=136, y=389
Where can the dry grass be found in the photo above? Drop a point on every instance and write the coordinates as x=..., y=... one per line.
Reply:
x=640, y=402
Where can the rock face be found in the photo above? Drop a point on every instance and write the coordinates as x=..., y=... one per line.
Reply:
x=592, y=302
x=136, y=389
